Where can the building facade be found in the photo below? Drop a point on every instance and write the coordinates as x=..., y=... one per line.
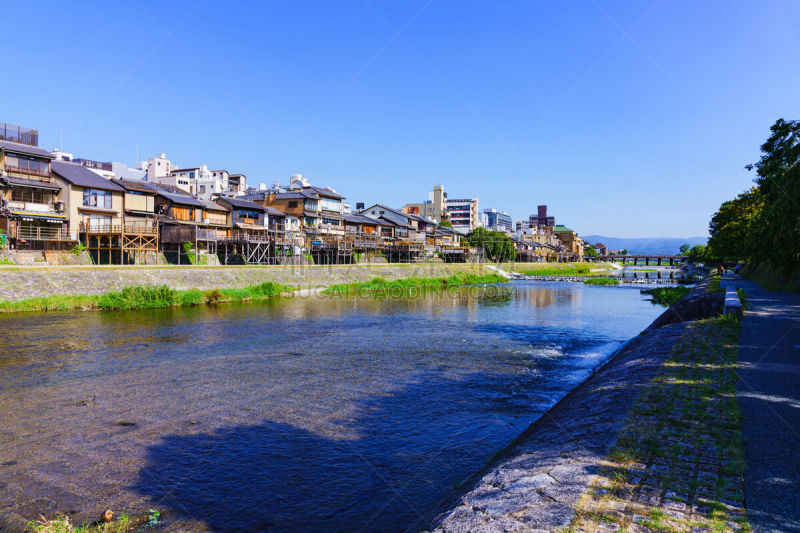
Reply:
x=463, y=214
x=498, y=221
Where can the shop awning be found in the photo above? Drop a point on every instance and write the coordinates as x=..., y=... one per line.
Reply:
x=47, y=217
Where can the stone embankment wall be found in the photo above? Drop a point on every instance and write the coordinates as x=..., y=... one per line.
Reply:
x=21, y=283
x=536, y=482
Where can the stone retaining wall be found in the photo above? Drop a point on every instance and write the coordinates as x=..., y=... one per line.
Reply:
x=21, y=283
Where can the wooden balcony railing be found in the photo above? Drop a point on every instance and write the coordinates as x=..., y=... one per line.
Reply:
x=118, y=229
x=42, y=233
x=30, y=172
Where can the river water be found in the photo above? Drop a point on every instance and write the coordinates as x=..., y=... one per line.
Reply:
x=297, y=414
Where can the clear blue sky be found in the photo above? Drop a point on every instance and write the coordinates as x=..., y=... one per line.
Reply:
x=629, y=119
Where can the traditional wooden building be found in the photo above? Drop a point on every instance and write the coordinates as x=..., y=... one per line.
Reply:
x=31, y=211
x=95, y=208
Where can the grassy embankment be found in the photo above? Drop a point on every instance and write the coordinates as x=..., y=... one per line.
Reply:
x=771, y=279
x=380, y=286
x=666, y=296
x=563, y=269
x=687, y=425
x=147, y=297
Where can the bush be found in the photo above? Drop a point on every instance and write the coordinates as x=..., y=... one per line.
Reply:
x=601, y=281
x=140, y=298
x=666, y=296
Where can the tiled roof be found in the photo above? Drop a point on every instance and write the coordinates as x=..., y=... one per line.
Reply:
x=271, y=211
x=213, y=205
x=562, y=229
x=11, y=146
x=325, y=191
x=82, y=177
x=135, y=185
x=360, y=219
x=177, y=197
x=241, y=204
x=292, y=195
x=26, y=182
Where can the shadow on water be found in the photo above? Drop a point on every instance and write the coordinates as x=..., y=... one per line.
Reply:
x=371, y=476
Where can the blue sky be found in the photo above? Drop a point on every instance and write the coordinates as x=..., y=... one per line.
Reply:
x=628, y=118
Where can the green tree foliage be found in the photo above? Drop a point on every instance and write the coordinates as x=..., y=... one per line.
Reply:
x=446, y=223
x=495, y=245
x=762, y=225
x=685, y=247
x=590, y=252
x=697, y=254
x=624, y=251
x=775, y=229
x=731, y=226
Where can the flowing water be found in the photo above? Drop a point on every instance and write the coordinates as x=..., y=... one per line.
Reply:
x=297, y=414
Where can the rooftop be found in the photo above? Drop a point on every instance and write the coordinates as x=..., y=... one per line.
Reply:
x=81, y=176
x=11, y=146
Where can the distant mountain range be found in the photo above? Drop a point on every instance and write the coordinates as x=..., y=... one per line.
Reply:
x=654, y=245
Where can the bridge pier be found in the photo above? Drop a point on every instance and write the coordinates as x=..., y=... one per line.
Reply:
x=659, y=261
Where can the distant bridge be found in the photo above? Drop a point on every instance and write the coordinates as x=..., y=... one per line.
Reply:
x=635, y=259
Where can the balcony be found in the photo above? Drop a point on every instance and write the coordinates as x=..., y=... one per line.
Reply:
x=42, y=233
x=118, y=229
x=32, y=207
x=30, y=172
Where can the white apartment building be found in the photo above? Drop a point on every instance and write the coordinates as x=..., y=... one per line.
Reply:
x=156, y=167
x=464, y=214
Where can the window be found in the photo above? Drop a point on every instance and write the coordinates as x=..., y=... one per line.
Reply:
x=331, y=221
x=292, y=204
x=248, y=213
x=31, y=196
x=191, y=175
x=97, y=198
x=27, y=164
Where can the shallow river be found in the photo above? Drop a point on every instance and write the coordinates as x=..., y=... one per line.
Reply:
x=305, y=414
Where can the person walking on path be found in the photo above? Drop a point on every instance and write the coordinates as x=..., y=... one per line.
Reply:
x=768, y=391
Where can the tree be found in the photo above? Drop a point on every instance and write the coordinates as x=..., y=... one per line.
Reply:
x=590, y=252
x=775, y=227
x=685, y=247
x=730, y=228
x=496, y=246
x=697, y=254
x=446, y=223
x=624, y=251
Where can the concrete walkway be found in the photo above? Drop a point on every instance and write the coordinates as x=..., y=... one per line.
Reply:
x=768, y=391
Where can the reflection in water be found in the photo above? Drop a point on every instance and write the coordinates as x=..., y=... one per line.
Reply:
x=321, y=414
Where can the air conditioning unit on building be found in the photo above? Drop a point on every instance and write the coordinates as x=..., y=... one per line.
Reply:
x=206, y=221
x=59, y=206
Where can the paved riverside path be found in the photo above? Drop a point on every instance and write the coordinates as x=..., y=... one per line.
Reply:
x=768, y=391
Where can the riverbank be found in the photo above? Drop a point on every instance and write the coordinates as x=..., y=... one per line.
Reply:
x=591, y=463
x=18, y=283
x=152, y=296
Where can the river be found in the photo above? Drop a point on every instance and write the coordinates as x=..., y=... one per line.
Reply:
x=296, y=414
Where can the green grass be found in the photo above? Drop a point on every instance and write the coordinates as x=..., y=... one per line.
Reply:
x=666, y=296
x=382, y=286
x=714, y=284
x=121, y=523
x=6, y=261
x=601, y=281
x=147, y=297
x=561, y=269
